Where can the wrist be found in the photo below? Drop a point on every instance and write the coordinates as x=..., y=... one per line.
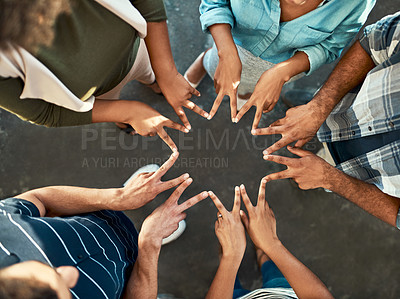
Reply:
x=332, y=179
x=282, y=72
x=149, y=243
x=272, y=246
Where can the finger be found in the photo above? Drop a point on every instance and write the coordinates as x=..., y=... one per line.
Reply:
x=173, y=125
x=278, y=176
x=217, y=203
x=236, y=202
x=281, y=160
x=246, y=199
x=279, y=122
x=268, y=131
x=178, y=191
x=299, y=152
x=183, y=118
x=233, y=101
x=246, y=107
x=164, y=136
x=174, y=182
x=257, y=118
x=193, y=201
x=195, y=91
x=301, y=142
x=181, y=217
x=216, y=105
x=277, y=145
x=261, y=193
x=192, y=106
x=167, y=165
x=245, y=219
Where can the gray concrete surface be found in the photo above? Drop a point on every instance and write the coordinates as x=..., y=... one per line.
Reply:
x=355, y=254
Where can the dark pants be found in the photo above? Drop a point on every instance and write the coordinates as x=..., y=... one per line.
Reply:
x=272, y=278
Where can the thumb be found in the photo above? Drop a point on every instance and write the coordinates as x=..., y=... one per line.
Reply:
x=244, y=218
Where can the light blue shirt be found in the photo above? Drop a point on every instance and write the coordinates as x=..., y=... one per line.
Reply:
x=321, y=34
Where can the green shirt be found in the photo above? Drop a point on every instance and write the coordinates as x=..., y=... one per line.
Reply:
x=92, y=51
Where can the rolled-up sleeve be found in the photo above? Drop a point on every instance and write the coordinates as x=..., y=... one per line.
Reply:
x=215, y=12
x=381, y=40
x=151, y=10
x=36, y=110
x=330, y=49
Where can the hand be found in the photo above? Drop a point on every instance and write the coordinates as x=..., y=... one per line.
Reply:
x=309, y=171
x=300, y=124
x=226, y=81
x=261, y=223
x=265, y=96
x=165, y=219
x=178, y=91
x=144, y=187
x=229, y=228
x=149, y=122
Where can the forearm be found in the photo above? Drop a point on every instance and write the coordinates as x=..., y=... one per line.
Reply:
x=112, y=111
x=224, y=280
x=295, y=65
x=303, y=281
x=67, y=200
x=223, y=39
x=348, y=74
x=159, y=48
x=143, y=281
x=364, y=195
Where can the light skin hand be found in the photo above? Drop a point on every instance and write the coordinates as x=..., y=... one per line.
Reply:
x=229, y=228
x=229, y=69
x=300, y=124
x=144, y=187
x=309, y=171
x=261, y=223
x=165, y=219
x=265, y=96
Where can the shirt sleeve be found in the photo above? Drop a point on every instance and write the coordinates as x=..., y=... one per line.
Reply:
x=19, y=206
x=215, y=12
x=38, y=111
x=381, y=40
x=151, y=10
x=331, y=48
x=398, y=220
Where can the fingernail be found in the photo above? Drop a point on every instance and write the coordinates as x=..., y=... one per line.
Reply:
x=175, y=152
x=236, y=188
x=265, y=157
x=289, y=146
x=204, y=194
x=186, y=131
x=206, y=115
x=263, y=181
x=235, y=120
x=209, y=117
x=188, y=127
x=210, y=193
x=189, y=180
x=241, y=186
x=265, y=152
x=253, y=132
x=186, y=176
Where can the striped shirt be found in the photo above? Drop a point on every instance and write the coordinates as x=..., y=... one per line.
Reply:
x=271, y=293
x=374, y=109
x=101, y=245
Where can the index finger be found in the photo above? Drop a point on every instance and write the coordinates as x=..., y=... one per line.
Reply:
x=218, y=203
x=257, y=118
x=196, y=109
x=249, y=206
x=278, y=145
x=178, y=191
x=167, y=165
x=216, y=105
x=246, y=107
x=193, y=201
x=164, y=136
x=233, y=101
x=181, y=114
x=236, y=202
x=261, y=193
x=281, y=160
x=268, y=131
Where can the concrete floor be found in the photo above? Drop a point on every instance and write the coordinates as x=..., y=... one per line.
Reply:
x=355, y=254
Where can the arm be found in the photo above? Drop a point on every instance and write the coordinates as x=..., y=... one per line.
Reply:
x=312, y=172
x=301, y=123
x=229, y=69
x=160, y=224
x=66, y=200
x=175, y=88
x=231, y=235
x=261, y=226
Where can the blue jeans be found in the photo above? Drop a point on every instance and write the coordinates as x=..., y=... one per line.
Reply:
x=272, y=278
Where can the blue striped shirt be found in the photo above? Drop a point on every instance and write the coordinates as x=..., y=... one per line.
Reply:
x=101, y=245
x=374, y=109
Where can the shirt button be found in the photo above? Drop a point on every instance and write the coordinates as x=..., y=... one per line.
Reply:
x=353, y=132
x=369, y=128
x=391, y=124
x=340, y=134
